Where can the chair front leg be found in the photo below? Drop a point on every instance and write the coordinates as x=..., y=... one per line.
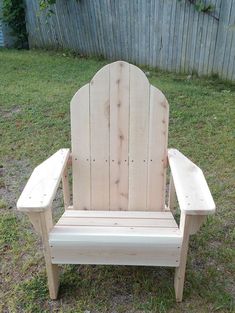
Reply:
x=185, y=221
x=42, y=222
x=189, y=225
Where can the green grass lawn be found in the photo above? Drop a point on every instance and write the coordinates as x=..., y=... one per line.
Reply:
x=35, y=91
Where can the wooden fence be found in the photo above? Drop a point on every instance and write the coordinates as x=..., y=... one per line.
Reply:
x=167, y=34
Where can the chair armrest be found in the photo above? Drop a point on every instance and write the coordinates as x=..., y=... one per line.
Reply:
x=192, y=191
x=42, y=185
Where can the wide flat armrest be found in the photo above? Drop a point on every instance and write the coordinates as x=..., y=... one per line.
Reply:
x=42, y=185
x=192, y=191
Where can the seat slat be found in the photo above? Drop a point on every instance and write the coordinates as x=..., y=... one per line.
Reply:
x=119, y=214
x=114, y=234
x=116, y=222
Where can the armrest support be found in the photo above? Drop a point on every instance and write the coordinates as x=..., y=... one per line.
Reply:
x=42, y=185
x=192, y=191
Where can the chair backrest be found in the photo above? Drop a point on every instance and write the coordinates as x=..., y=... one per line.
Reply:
x=119, y=128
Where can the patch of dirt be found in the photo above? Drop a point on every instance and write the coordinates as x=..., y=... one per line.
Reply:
x=14, y=111
x=14, y=175
x=13, y=178
x=230, y=286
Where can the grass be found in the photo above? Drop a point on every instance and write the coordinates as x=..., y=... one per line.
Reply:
x=35, y=90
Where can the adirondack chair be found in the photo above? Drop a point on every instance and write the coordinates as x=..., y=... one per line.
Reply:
x=119, y=125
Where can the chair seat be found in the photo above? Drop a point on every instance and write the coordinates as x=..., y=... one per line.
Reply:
x=116, y=237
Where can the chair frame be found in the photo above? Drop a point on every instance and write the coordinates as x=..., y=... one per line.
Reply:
x=187, y=182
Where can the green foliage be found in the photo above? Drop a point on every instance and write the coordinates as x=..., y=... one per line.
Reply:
x=45, y=4
x=203, y=7
x=13, y=14
x=200, y=6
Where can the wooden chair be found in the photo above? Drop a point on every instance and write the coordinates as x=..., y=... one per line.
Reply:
x=119, y=158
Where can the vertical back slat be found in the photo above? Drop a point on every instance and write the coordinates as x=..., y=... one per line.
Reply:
x=157, y=158
x=138, y=139
x=99, y=132
x=80, y=133
x=119, y=135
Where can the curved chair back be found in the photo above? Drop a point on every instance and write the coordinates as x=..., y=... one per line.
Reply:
x=119, y=141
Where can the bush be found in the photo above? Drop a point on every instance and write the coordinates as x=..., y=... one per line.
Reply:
x=13, y=14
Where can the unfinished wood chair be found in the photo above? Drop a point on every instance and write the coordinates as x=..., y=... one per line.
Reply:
x=119, y=125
